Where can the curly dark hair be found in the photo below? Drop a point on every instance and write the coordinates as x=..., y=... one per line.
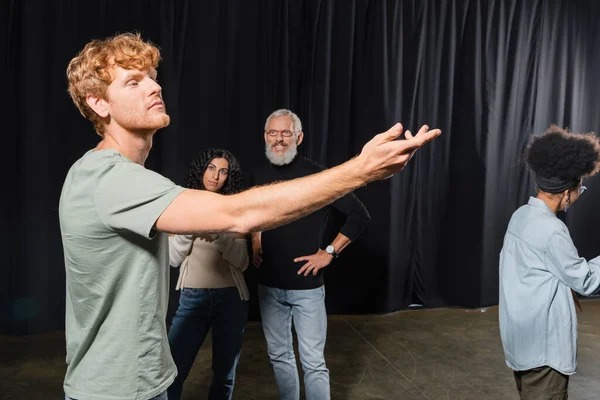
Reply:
x=559, y=153
x=197, y=167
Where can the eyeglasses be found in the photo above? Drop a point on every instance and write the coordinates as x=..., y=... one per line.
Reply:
x=286, y=133
x=582, y=189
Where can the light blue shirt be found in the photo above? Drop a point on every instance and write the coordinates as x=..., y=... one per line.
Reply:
x=539, y=265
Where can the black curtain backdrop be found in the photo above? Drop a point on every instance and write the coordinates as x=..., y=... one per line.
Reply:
x=489, y=73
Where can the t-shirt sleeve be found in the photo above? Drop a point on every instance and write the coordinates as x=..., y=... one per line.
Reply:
x=130, y=197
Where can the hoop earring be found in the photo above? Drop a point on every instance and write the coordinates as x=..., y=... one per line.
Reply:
x=567, y=202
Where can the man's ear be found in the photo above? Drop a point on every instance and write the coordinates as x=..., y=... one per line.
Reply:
x=98, y=104
x=299, y=138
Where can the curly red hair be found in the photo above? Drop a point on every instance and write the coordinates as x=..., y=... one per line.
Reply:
x=89, y=73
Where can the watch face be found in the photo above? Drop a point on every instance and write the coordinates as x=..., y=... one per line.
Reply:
x=329, y=249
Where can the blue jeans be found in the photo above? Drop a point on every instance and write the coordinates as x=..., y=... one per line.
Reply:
x=200, y=310
x=306, y=308
x=162, y=396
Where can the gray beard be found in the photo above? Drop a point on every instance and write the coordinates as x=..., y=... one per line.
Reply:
x=283, y=159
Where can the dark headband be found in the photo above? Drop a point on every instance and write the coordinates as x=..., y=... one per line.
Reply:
x=555, y=185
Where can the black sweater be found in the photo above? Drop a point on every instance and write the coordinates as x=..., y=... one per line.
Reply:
x=304, y=236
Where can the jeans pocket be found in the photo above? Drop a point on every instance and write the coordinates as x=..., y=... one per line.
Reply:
x=319, y=293
x=193, y=301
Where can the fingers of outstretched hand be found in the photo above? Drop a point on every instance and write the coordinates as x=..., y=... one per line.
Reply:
x=414, y=142
x=411, y=142
x=423, y=129
x=401, y=151
x=425, y=135
x=384, y=156
x=393, y=133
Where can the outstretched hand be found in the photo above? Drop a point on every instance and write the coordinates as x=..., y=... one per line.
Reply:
x=383, y=156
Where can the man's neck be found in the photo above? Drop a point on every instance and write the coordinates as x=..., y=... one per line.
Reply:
x=135, y=146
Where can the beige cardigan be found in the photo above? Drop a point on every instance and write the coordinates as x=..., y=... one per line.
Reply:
x=210, y=264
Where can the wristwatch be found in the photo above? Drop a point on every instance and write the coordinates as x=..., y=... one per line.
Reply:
x=331, y=251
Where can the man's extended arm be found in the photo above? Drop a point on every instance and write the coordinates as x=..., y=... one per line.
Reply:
x=267, y=207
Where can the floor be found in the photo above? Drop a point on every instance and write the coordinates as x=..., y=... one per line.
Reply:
x=415, y=354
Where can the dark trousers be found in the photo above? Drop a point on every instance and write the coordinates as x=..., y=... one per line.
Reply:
x=543, y=383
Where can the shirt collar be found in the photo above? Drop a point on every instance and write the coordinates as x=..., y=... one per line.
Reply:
x=538, y=203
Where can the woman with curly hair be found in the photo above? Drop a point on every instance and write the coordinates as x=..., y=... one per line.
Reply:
x=213, y=291
x=540, y=267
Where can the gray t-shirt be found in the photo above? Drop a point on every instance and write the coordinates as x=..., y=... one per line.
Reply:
x=117, y=278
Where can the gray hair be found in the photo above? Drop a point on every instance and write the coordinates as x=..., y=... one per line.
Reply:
x=282, y=112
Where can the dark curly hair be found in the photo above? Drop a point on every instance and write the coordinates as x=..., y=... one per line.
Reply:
x=559, y=153
x=197, y=167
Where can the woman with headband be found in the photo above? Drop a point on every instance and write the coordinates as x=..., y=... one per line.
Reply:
x=540, y=266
